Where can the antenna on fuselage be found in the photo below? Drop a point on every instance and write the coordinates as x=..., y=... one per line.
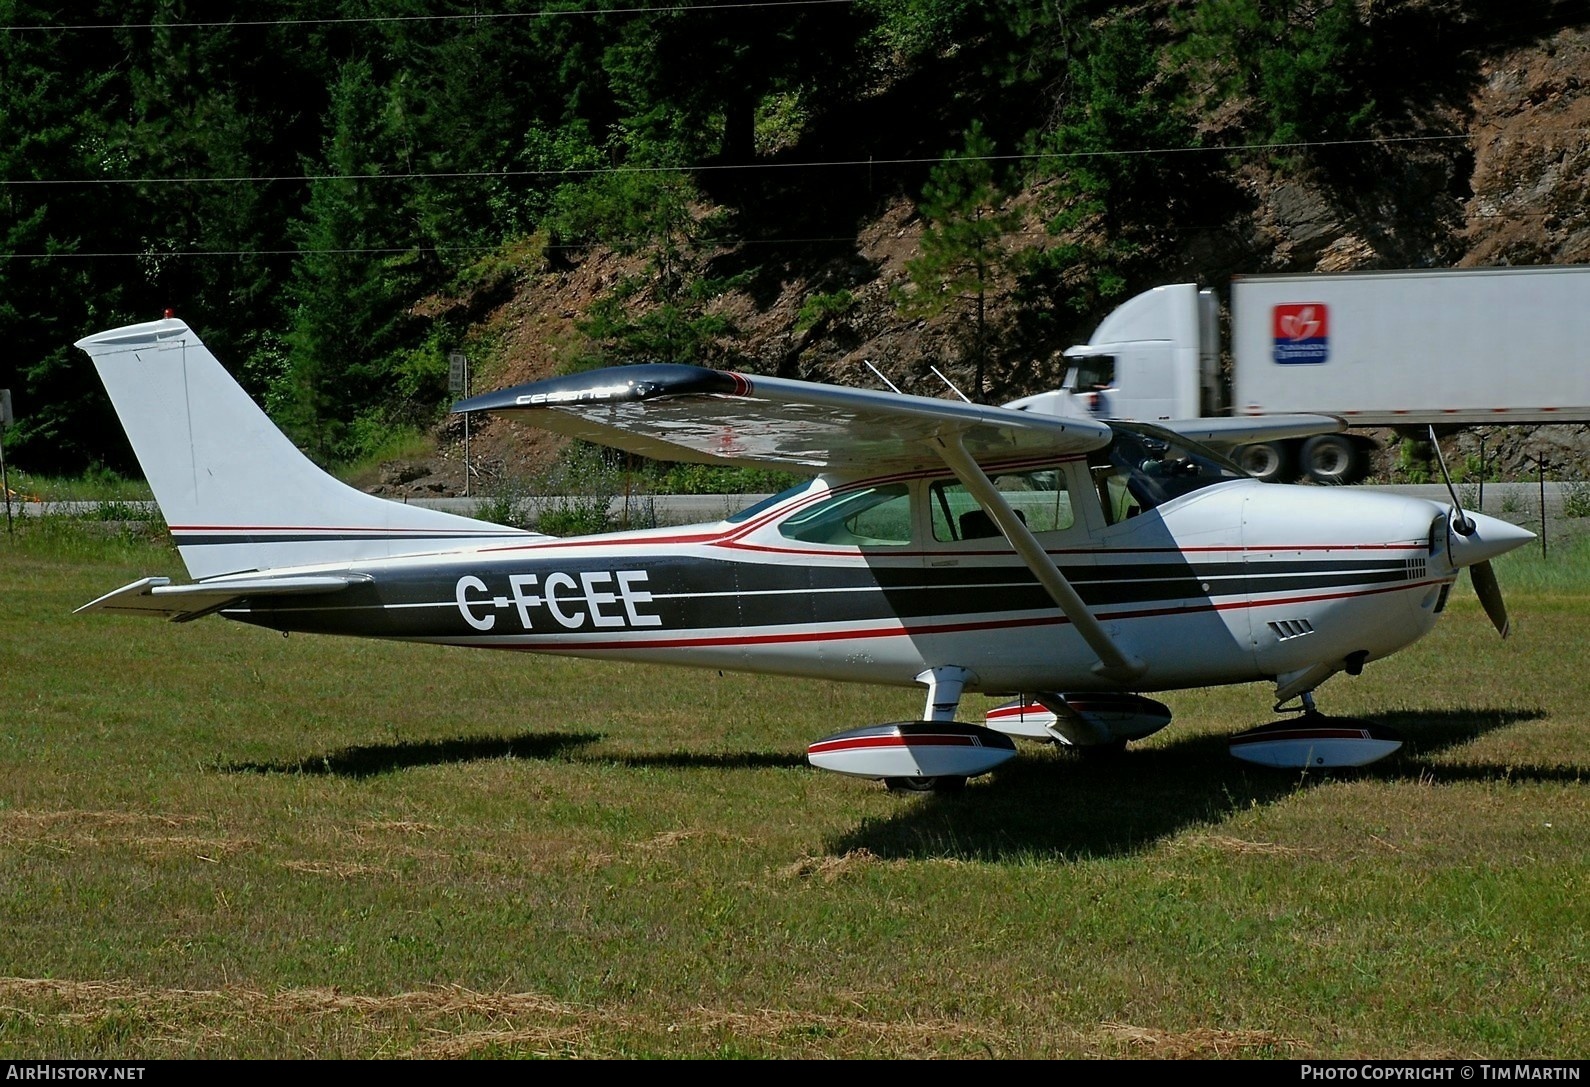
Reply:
x=886, y=381
x=950, y=383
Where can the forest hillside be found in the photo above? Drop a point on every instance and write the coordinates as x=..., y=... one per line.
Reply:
x=338, y=203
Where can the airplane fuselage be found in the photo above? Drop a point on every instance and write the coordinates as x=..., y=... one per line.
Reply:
x=1232, y=583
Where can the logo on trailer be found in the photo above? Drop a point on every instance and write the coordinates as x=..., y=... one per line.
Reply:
x=1302, y=332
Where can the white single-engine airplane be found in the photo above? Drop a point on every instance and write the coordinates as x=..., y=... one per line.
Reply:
x=1068, y=563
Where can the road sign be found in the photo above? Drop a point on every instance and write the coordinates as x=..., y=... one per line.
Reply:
x=457, y=372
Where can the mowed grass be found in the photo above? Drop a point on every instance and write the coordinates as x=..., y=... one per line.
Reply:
x=218, y=842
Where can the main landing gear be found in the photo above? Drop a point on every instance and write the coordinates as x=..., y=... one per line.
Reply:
x=943, y=699
x=934, y=755
x=948, y=784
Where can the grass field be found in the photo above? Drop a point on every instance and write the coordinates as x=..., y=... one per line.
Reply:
x=217, y=842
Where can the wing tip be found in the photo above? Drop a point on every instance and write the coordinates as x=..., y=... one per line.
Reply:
x=612, y=385
x=129, y=337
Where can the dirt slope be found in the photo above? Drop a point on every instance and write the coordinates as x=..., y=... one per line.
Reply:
x=1515, y=191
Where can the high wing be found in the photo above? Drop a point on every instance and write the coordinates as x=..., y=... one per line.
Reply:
x=691, y=413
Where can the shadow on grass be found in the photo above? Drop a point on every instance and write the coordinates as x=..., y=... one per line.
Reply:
x=727, y=760
x=1052, y=803
x=1065, y=806
x=369, y=760
x=1429, y=732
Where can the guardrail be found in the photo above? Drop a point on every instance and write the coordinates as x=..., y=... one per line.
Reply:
x=1503, y=500
x=666, y=508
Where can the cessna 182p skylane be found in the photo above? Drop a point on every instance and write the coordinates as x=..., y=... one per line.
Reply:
x=1068, y=563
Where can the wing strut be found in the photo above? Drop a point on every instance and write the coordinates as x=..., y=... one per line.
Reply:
x=1114, y=662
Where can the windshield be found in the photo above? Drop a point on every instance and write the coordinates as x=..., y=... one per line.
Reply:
x=770, y=501
x=1145, y=466
x=861, y=517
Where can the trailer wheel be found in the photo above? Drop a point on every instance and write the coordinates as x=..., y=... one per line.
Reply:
x=1332, y=459
x=1269, y=461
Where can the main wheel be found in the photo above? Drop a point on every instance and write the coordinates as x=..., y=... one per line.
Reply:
x=1332, y=459
x=942, y=785
x=1269, y=461
x=1112, y=749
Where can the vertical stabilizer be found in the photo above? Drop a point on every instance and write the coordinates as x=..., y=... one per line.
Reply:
x=236, y=493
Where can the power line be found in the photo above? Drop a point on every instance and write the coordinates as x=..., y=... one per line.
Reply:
x=592, y=171
x=472, y=17
x=166, y=254
x=418, y=247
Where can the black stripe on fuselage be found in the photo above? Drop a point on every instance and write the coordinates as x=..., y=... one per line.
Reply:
x=556, y=595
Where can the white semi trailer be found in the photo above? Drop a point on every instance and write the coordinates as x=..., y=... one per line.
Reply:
x=1407, y=349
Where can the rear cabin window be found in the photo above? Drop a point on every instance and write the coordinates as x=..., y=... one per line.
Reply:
x=1039, y=498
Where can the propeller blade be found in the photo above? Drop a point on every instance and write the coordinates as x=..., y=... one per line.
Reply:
x=1490, y=594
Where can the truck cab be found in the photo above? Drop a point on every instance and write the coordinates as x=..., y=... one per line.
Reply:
x=1157, y=357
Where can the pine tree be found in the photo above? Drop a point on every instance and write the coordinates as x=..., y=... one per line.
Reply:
x=966, y=247
x=60, y=203
x=347, y=289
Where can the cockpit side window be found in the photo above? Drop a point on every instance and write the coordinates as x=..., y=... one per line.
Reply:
x=1039, y=498
x=866, y=517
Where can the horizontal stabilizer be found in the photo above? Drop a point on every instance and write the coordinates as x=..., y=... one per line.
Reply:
x=156, y=596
